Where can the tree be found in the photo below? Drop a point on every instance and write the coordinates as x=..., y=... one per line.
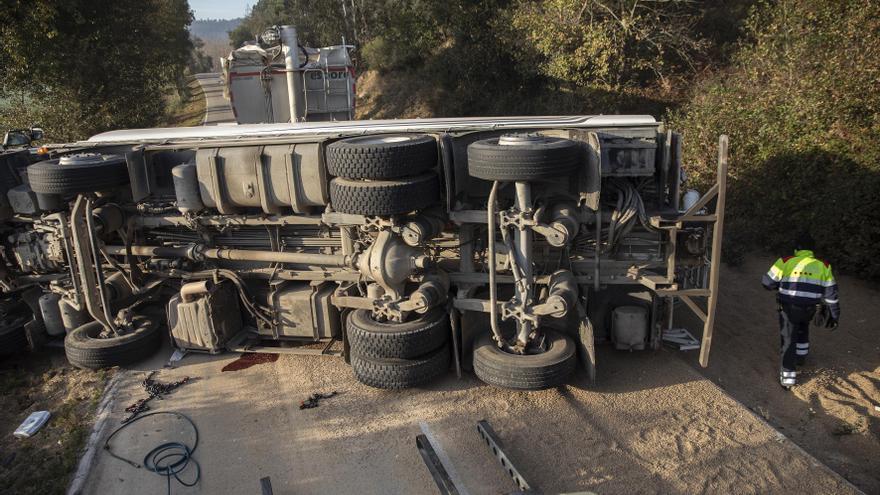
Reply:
x=199, y=61
x=91, y=65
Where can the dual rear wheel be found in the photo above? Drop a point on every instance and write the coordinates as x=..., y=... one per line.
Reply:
x=398, y=355
x=383, y=175
x=389, y=175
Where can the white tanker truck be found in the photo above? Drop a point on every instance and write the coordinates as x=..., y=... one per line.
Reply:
x=262, y=75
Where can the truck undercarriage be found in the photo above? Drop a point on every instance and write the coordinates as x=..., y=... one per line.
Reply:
x=516, y=244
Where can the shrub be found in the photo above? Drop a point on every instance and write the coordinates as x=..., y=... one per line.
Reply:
x=608, y=45
x=802, y=108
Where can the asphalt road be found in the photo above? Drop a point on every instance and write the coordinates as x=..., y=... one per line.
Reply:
x=651, y=425
x=217, y=108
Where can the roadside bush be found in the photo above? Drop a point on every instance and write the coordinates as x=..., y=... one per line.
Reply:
x=607, y=45
x=801, y=104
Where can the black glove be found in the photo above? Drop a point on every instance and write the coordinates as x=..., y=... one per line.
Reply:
x=831, y=323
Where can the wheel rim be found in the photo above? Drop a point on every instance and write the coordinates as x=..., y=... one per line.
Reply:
x=95, y=330
x=84, y=159
x=371, y=140
x=521, y=139
x=531, y=350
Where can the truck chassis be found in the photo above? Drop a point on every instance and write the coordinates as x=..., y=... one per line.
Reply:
x=512, y=244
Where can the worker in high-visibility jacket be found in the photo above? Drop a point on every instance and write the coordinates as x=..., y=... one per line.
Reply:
x=804, y=283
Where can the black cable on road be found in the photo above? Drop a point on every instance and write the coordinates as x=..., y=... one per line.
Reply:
x=168, y=459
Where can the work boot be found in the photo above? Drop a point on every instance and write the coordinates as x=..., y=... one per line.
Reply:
x=787, y=379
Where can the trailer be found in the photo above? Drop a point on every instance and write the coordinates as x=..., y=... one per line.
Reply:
x=508, y=245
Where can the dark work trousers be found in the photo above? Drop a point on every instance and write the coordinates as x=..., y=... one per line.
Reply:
x=794, y=329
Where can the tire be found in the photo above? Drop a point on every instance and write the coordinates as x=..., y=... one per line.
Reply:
x=525, y=372
x=85, y=350
x=392, y=197
x=373, y=339
x=389, y=156
x=532, y=158
x=394, y=374
x=78, y=174
x=12, y=337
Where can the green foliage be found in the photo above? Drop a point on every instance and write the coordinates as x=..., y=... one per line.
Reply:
x=608, y=44
x=384, y=56
x=801, y=104
x=88, y=66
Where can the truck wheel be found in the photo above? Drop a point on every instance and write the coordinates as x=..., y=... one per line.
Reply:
x=391, y=373
x=85, y=349
x=529, y=371
x=384, y=197
x=12, y=337
x=408, y=339
x=78, y=174
x=523, y=158
x=382, y=157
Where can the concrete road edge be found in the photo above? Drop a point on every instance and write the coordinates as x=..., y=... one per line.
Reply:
x=102, y=415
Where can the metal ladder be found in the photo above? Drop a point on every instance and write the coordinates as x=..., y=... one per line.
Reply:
x=327, y=90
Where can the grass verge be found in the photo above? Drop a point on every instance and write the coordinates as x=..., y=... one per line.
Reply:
x=44, y=463
x=188, y=109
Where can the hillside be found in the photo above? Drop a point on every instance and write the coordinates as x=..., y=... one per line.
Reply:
x=214, y=35
x=213, y=29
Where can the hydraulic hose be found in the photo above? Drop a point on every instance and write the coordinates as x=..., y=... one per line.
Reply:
x=168, y=459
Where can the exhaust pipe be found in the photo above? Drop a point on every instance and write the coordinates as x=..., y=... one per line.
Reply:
x=291, y=65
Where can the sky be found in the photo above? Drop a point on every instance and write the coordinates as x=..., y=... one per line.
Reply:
x=219, y=9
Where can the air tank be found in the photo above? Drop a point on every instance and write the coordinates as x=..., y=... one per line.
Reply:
x=52, y=314
x=186, y=188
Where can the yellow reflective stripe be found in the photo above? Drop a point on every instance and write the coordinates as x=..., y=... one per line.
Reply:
x=801, y=265
x=797, y=264
x=775, y=273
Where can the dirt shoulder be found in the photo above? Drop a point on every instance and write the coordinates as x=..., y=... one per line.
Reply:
x=834, y=411
x=652, y=425
x=44, y=463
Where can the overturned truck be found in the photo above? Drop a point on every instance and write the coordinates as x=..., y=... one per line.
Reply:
x=409, y=247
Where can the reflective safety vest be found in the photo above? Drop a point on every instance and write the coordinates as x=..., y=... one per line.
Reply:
x=803, y=279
